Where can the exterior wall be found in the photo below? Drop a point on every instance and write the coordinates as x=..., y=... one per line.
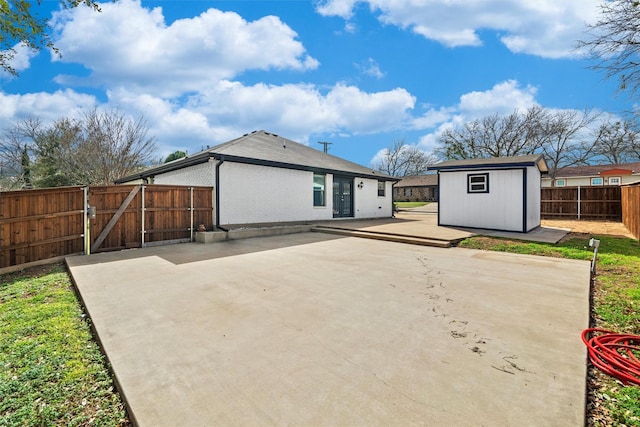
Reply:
x=500, y=209
x=367, y=203
x=251, y=194
x=585, y=181
x=533, y=198
x=203, y=174
x=418, y=194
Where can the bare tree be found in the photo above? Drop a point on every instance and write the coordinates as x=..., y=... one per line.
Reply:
x=494, y=136
x=618, y=142
x=402, y=160
x=96, y=149
x=566, y=139
x=614, y=43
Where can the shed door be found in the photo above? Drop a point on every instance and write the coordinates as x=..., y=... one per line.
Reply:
x=342, y=197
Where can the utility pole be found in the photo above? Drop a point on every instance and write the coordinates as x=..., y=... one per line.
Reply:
x=326, y=145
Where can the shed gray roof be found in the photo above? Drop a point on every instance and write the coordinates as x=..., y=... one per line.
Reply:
x=268, y=149
x=494, y=162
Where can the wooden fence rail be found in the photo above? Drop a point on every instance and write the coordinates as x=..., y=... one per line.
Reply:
x=631, y=209
x=47, y=223
x=586, y=203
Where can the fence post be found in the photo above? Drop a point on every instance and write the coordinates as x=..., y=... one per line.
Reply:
x=87, y=225
x=191, y=208
x=578, y=202
x=142, y=214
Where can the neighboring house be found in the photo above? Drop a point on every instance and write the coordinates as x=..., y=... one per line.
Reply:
x=500, y=193
x=265, y=178
x=420, y=188
x=580, y=176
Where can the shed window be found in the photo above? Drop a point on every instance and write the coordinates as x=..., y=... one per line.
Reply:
x=478, y=183
x=381, y=188
x=596, y=181
x=614, y=180
x=318, y=189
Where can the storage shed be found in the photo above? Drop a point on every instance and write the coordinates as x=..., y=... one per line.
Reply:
x=501, y=193
x=263, y=178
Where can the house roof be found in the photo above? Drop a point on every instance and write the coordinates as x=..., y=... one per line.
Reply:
x=494, y=162
x=597, y=170
x=419, y=181
x=267, y=149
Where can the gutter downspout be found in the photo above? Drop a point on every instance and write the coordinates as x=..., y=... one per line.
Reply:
x=217, y=225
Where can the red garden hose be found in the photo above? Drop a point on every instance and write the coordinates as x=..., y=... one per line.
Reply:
x=613, y=354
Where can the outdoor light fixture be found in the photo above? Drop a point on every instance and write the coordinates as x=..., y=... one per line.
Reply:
x=361, y=185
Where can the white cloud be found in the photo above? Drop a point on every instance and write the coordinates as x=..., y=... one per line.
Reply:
x=230, y=109
x=502, y=98
x=47, y=107
x=371, y=68
x=21, y=60
x=132, y=46
x=546, y=28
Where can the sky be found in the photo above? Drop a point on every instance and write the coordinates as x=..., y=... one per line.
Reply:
x=360, y=74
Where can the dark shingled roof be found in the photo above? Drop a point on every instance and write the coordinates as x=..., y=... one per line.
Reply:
x=493, y=162
x=419, y=181
x=268, y=149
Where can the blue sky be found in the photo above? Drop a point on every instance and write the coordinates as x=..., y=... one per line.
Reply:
x=359, y=74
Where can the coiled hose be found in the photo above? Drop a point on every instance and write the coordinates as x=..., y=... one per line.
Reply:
x=614, y=354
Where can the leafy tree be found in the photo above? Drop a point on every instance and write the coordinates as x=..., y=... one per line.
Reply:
x=175, y=156
x=19, y=23
x=613, y=43
x=404, y=160
x=25, y=162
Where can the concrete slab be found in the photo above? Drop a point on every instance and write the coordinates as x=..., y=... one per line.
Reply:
x=311, y=329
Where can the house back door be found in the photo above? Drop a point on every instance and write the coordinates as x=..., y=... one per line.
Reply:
x=342, y=197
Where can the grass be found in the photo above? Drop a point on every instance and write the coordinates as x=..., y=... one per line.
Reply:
x=409, y=204
x=616, y=306
x=51, y=370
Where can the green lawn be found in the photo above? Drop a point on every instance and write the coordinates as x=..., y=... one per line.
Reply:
x=616, y=306
x=51, y=370
x=410, y=204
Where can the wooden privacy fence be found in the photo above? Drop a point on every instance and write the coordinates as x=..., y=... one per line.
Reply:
x=47, y=223
x=631, y=208
x=587, y=203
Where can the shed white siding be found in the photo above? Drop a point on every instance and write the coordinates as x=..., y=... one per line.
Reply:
x=533, y=198
x=502, y=208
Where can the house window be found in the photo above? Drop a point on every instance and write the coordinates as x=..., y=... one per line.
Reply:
x=478, y=183
x=596, y=181
x=381, y=188
x=407, y=192
x=318, y=189
x=560, y=183
x=614, y=180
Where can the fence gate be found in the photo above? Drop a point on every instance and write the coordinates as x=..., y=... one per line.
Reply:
x=135, y=216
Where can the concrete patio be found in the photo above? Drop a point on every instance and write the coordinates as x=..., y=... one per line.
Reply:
x=315, y=329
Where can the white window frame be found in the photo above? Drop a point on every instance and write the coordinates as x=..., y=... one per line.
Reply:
x=561, y=182
x=594, y=181
x=382, y=188
x=478, y=183
x=617, y=179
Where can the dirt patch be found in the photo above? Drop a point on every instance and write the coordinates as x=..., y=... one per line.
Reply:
x=609, y=228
